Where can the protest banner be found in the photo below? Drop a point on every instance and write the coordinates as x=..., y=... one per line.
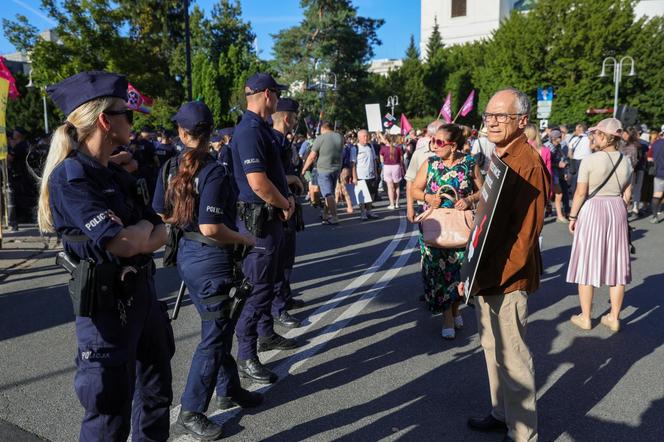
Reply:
x=4, y=93
x=491, y=197
x=374, y=119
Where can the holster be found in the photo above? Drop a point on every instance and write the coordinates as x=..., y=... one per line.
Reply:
x=239, y=294
x=82, y=288
x=92, y=286
x=255, y=216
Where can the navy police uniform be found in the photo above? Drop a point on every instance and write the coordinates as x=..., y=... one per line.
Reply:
x=254, y=149
x=125, y=346
x=207, y=271
x=283, y=294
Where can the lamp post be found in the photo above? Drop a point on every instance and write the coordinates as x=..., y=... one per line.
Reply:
x=392, y=102
x=325, y=81
x=43, y=93
x=187, y=50
x=617, y=75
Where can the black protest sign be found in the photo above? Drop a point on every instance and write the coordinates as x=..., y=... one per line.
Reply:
x=491, y=197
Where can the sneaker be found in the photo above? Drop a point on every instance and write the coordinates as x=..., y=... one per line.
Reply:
x=364, y=217
x=655, y=219
x=448, y=333
x=562, y=220
x=458, y=322
x=372, y=216
x=390, y=207
x=396, y=206
x=610, y=323
x=581, y=322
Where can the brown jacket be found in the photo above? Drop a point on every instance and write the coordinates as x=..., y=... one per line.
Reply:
x=511, y=259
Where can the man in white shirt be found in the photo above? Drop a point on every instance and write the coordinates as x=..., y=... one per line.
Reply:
x=363, y=160
x=578, y=149
x=422, y=152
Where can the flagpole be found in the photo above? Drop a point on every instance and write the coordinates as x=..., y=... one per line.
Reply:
x=457, y=115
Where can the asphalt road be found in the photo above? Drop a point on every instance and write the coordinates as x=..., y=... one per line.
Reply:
x=372, y=364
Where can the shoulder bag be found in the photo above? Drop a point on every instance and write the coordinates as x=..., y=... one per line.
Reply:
x=446, y=228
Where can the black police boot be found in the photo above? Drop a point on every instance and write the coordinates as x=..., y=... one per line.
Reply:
x=487, y=423
x=294, y=303
x=198, y=425
x=276, y=342
x=243, y=398
x=254, y=370
x=286, y=320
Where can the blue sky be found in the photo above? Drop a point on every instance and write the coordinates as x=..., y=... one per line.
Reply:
x=269, y=16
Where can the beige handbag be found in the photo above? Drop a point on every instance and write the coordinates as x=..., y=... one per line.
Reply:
x=446, y=228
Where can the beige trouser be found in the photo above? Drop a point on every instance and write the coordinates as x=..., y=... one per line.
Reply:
x=502, y=321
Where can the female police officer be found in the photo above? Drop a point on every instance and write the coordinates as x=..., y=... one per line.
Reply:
x=201, y=200
x=125, y=342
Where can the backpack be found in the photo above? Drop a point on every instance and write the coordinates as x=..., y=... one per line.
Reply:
x=345, y=157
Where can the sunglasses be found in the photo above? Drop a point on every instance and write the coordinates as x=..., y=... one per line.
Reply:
x=442, y=143
x=126, y=112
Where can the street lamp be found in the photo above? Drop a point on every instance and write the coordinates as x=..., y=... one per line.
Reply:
x=43, y=92
x=326, y=81
x=617, y=75
x=392, y=102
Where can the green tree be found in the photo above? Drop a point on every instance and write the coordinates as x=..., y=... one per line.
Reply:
x=331, y=37
x=435, y=42
x=28, y=110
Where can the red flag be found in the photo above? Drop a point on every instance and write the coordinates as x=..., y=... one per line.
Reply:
x=7, y=75
x=405, y=125
x=468, y=104
x=137, y=101
x=446, y=110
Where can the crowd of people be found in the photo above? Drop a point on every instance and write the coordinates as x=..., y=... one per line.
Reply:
x=226, y=204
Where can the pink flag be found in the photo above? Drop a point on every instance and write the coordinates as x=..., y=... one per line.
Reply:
x=405, y=125
x=446, y=110
x=468, y=104
x=7, y=75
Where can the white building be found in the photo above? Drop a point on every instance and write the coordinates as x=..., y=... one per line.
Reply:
x=383, y=66
x=461, y=21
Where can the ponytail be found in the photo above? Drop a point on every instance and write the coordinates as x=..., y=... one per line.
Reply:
x=80, y=124
x=182, y=190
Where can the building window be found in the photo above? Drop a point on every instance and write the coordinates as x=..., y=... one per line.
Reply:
x=458, y=8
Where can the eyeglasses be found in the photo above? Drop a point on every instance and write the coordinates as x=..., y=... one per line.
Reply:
x=500, y=118
x=126, y=112
x=442, y=143
x=276, y=91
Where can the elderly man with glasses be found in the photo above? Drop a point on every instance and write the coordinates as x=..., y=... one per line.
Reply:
x=505, y=280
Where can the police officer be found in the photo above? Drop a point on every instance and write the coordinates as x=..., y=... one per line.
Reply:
x=125, y=341
x=284, y=121
x=265, y=202
x=205, y=264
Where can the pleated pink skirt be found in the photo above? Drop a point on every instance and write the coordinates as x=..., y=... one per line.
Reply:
x=600, y=250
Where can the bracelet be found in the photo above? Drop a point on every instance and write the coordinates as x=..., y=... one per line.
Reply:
x=571, y=217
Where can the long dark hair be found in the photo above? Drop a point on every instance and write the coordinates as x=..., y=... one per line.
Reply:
x=181, y=190
x=455, y=134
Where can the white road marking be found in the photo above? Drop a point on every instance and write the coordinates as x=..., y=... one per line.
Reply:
x=328, y=306
x=320, y=341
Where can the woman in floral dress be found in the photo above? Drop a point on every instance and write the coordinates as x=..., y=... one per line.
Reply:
x=441, y=267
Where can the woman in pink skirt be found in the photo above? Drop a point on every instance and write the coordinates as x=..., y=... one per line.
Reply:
x=391, y=156
x=598, y=221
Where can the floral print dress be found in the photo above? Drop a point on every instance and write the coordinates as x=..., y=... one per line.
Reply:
x=441, y=267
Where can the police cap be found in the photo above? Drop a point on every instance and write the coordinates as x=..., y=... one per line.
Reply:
x=261, y=81
x=78, y=89
x=287, y=105
x=216, y=138
x=227, y=131
x=192, y=114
